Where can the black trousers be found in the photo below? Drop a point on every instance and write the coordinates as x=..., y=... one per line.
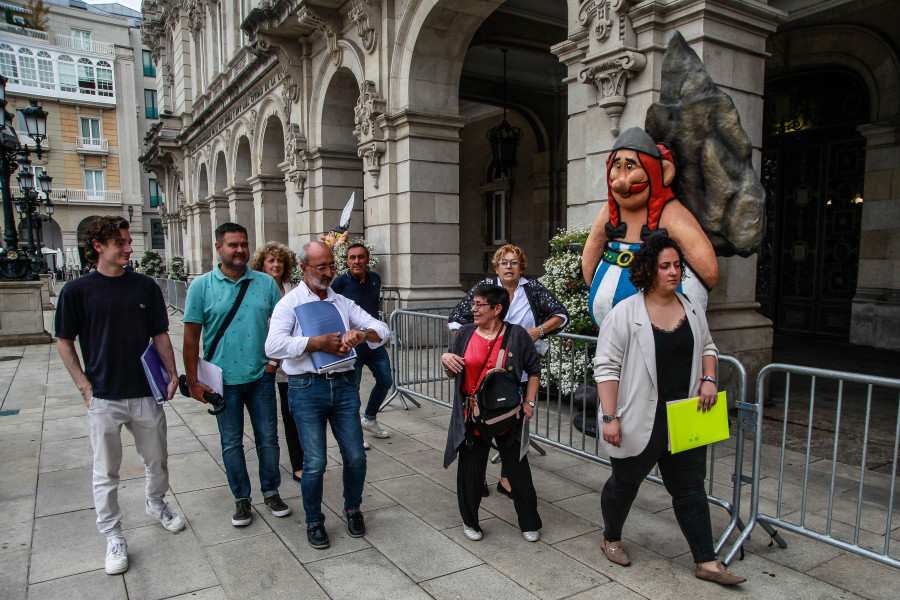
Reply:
x=473, y=458
x=291, y=438
x=683, y=474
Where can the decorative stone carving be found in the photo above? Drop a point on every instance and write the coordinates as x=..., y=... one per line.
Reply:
x=596, y=13
x=372, y=152
x=226, y=137
x=295, y=146
x=371, y=138
x=251, y=121
x=611, y=78
x=290, y=93
x=193, y=162
x=359, y=14
x=310, y=18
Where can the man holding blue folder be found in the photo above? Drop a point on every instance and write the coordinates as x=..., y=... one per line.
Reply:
x=314, y=330
x=114, y=314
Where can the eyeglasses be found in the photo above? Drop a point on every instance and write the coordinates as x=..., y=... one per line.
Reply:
x=480, y=305
x=322, y=268
x=511, y=263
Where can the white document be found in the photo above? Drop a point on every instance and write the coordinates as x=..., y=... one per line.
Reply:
x=211, y=376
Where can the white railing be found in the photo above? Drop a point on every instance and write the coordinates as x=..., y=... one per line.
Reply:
x=84, y=45
x=32, y=33
x=90, y=144
x=25, y=140
x=78, y=196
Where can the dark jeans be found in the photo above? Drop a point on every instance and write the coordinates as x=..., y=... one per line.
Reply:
x=683, y=475
x=259, y=399
x=380, y=364
x=315, y=402
x=470, y=477
x=291, y=437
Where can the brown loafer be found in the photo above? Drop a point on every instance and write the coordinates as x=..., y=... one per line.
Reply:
x=616, y=553
x=721, y=575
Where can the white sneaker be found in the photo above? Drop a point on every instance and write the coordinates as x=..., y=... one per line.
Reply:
x=472, y=534
x=374, y=428
x=366, y=445
x=531, y=536
x=166, y=517
x=116, y=556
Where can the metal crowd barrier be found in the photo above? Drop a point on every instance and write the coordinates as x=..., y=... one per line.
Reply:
x=419, y=339
x=174, y=293
x=826, y=405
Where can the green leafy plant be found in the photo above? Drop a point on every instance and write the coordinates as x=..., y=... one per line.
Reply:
x=176, y=269
x=38, y=15
x=340, y=254
x=152, y=264
x=567, y=361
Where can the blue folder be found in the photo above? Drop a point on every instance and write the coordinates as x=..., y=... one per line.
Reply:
x=320, y=318
x=156, y=374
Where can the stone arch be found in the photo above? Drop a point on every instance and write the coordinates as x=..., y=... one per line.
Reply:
x=240, y=198
x=220, y=173
x=202, y=183
x=353, y=62
x=267, y=185
x=860, y=49
x=243, y=161
x=432, y=40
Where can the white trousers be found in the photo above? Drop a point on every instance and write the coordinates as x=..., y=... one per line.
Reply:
x=146, y=421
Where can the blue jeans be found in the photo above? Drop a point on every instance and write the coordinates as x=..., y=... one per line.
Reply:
x=380, y=364
x=259, y=398
x=314, y=402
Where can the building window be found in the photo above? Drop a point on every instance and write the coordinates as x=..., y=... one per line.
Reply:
x=157, y=235
x=497, y=218
x=27, y=67
x=155, y=194
x=68, y=80
x=81, y=40
x=150, y=109
x=45, y=70
x=149, y=67
x=8, y=63
x=87, y=84
x=90, y=131
x=104, y=79
x=220, y=24
x=93, y=184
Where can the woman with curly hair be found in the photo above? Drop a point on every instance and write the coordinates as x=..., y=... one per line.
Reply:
x=277, y=260
x=656, y=346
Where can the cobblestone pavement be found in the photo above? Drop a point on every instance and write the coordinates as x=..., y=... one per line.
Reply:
x=414, y=548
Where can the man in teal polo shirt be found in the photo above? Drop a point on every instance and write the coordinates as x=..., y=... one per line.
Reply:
x=241, y=356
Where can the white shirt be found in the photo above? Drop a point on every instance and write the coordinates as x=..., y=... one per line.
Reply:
x=286, y=340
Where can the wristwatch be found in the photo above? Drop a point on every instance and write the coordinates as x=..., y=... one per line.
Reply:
x=609, y=418
x=529, y=403
x=365, y=330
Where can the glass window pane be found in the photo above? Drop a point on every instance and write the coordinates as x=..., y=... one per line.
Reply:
x=8, y=63
x=45, y=70
x=68, y=81
x=27, y=68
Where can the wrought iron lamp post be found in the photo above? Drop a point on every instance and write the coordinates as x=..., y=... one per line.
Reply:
x=13, y=156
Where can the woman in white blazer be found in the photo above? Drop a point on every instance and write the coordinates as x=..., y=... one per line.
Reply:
x=652, y=348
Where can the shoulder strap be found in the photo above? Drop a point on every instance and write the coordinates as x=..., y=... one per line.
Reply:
x=228, y=318
x=501, y=354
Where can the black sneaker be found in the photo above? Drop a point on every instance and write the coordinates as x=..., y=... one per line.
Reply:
x=317, y=536
x=242, y=514
x=356, y=526
x=277, y=506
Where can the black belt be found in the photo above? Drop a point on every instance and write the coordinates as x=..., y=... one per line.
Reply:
x=622, y=258
x=332, y=375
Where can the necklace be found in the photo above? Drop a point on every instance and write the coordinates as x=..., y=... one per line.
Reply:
x=490, y=335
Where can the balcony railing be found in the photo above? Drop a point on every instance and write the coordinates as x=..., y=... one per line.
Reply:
x=84, y=45
x=91, y=145
x=76, y=196
x=25, y=140
x=32, y=33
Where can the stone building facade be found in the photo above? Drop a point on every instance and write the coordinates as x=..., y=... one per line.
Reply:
x=274, y=112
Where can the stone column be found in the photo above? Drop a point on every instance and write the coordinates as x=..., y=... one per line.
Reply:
x=199, y=252
x=269, y=208
x=219, y=211
x=240, y=209
x=413, y=214
x=332, y=175
x=875, y=320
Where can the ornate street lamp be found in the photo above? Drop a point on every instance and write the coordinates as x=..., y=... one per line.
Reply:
x=504, y=138
x=13, y=156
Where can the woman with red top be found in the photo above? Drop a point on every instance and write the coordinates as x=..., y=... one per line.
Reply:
x=472, y=352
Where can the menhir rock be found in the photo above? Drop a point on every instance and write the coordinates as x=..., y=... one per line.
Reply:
x=715, y=178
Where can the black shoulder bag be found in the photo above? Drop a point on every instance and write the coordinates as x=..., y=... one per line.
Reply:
x=498, y=398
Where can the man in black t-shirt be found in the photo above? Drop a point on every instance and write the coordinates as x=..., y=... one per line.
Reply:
x=114, y=313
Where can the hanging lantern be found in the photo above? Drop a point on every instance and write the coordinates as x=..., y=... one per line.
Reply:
x=504, y=138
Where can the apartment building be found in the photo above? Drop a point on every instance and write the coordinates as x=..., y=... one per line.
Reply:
x=89, y=71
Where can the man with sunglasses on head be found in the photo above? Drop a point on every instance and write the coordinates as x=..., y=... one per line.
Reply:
x=319, y=398
x=364, y=287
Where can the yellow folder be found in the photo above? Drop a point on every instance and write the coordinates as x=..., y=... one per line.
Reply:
x=690, y=428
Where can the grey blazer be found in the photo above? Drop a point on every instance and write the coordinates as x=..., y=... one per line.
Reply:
x=626, y=352
x=521, y=355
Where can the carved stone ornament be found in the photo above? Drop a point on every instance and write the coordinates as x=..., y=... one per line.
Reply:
x=359, y=14
x=611, y=78
x=193, y=163
x=596, y=13
x=226, y=137
x=310, y=18
x=372, y=152
x=251, y=121
x=195, y=14
x=295, y=146
x=368, y=107
x=290, y=93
